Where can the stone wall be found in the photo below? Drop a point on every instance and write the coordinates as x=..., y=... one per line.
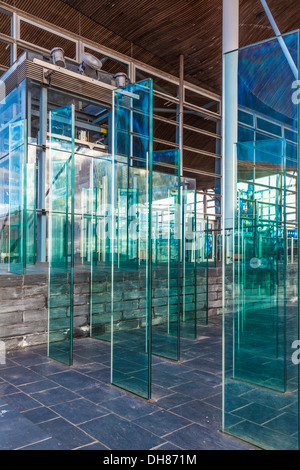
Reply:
x=24, y=309
x=24, y=303
x=215, y=291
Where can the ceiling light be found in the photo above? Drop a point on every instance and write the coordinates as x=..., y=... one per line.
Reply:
x=90, y=65
x=58, y=56
x=121, y=79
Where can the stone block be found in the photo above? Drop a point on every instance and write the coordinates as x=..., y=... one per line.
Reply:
x=10, y=318
x=32, y=316
x=10, y=293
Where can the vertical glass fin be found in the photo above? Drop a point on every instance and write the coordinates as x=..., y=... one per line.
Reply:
x=61, y=234
x=188, y=328
x=260, y=275
x=132, y=186
x=99, y=234
x=166, y=255
x=31, y=230
x=17, y=196
x=203, y=254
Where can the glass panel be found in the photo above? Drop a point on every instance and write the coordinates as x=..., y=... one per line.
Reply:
x=131, y=296
x=6, y=22
x=61, y=234
x=260, y=319
x=12, y=140
x=160, y=84
x=97, y=236
x=5, y=55
x=109, y=64
x=261, y=234
x=17, y=196
x=4, y=210
x=166, y=256
x=165, y=109
x=211, y=185
x=194, y=138
x=31, y=213
x=201, y=121
x=166, y=131
x=12, y=109
x=193, y=97
x=188, y=328
x=196, y=160
x=203, y=253
x=34, y=35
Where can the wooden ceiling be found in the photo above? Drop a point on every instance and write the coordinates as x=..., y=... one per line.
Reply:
x=158, y=31
x=190, y=27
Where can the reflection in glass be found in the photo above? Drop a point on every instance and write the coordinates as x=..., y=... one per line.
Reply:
x=188, y=328
x=96, y=240
x=17, y=196
x=260, y=319
x=61, y=235
x=132, y=296
x=166, y=257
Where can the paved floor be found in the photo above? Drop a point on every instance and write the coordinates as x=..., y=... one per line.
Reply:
x=46, y=405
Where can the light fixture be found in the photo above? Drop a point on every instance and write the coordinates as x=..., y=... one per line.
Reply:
x=58, y=56
x=90, y=65
x=121, y=79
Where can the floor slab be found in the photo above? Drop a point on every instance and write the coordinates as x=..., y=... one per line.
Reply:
x=47, y=405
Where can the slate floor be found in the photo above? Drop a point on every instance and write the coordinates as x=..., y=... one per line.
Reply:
x=45, y=405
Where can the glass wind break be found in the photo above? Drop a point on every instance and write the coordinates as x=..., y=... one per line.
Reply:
x=132, y=188
x=17, y=196
x=61, y=234
x=166, y=254
x=260, y=316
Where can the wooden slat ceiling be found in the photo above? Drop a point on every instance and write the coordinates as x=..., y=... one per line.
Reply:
x=190, y=27
x=158, y=31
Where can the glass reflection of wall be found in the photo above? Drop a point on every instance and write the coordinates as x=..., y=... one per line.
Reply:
x=12, y=109
x=92, y=140
x=261, y=381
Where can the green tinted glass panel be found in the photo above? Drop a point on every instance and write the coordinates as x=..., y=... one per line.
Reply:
x=12, y=110
x=31, y=213
x=132, y=295
x=128, y=198
x=17, y=196
x=260, y=315
x=98, y=237
x=204, y=246
x=12, y=116
x=188, y=328
x=166, y=257
x=4, y=208
x=260, y=262
x=61, y=234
